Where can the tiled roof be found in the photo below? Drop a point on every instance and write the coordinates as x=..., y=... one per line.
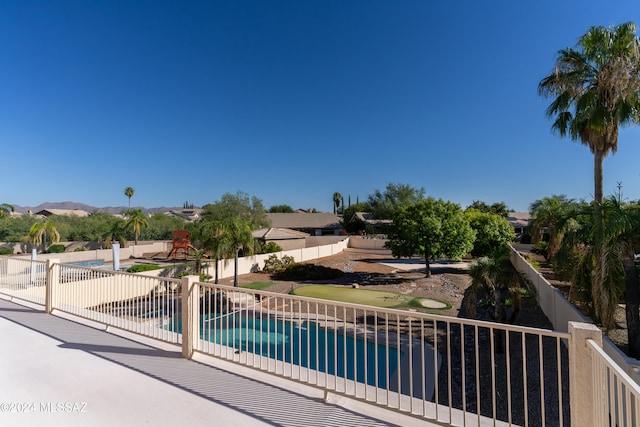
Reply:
x=367, y=218
x=519, y=219
x=298, y=221
x=278, y=234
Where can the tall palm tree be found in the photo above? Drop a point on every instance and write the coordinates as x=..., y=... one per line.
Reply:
x=337, y=199
x=596, y=90
x=237, y=236
x=39, y=232
x=129, y=191
x=5, y=209
x=137, y=220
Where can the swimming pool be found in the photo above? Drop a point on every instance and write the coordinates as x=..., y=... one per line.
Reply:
x=304, y=344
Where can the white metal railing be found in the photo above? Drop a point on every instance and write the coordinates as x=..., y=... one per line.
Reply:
x=23, y=279
x=450, y=370
x=616, y=395
x=454, y=371
x=135, y=303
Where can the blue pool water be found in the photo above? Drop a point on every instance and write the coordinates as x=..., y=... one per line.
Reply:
x=90, y=263
x=297, y=343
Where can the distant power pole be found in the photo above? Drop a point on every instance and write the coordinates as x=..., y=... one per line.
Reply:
x=619, y=191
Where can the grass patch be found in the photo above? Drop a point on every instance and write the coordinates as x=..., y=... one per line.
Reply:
x=257, y=286
x=140, y=268
x=383, y=299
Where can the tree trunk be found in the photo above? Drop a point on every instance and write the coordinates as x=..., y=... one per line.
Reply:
x=598, y=158
x=598, y=279
x=217, y=261
x=499, y=315
x=426, y=260
x=632, y=303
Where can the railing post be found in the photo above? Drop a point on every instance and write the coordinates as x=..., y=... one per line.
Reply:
x=52, y=279
x=581, y=376
x=190, y=315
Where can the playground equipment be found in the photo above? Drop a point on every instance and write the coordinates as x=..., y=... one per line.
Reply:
x=180, y=242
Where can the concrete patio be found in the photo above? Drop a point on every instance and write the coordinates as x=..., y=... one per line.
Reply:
x=58, y=372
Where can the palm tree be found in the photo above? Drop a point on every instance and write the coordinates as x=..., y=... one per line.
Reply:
x=129, y=191
x=495, y=280
x=237, y=236
x=337, y=198
x=210, y=234
x=39, y=231
x=546, y=213
x=137, y=220
x=596, y=90
x=616, y=273
x=5, y=209
x=115, y=233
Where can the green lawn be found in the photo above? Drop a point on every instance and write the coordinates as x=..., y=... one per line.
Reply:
x=257, y=286
x=382, y=299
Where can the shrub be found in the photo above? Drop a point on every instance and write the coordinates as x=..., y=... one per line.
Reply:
x=139, y=268
x=55, y=249
x=273, y=264
x=270, y=248
x=299, y=272
x=80, y=249
x=5, y=250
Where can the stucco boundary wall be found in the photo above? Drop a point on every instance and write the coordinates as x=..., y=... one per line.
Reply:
x=255, y=263
x=560, y=312
x=375, y=244
x=133, y=251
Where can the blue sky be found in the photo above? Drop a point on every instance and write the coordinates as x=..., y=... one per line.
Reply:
x=290, y=101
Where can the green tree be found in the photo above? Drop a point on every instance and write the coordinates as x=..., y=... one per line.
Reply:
x=210, y=235
x=499, y=208
x=545, y=213
x=349, y=223
x=596, y=90
x=492, y=231
x=237, y=236
x=40, y=231
x=281, y=209
x=161, y=227
x=575, y=260
x=116, y=232
x=238, y=205
x=383, y=204
x=137, y=220
x=129, y=193
x=6, y=210
x=337, y=198
x=432, y=228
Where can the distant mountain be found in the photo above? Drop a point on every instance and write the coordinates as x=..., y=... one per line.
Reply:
x=88, y=208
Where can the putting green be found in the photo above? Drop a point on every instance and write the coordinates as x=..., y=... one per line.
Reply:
x=384, y=299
